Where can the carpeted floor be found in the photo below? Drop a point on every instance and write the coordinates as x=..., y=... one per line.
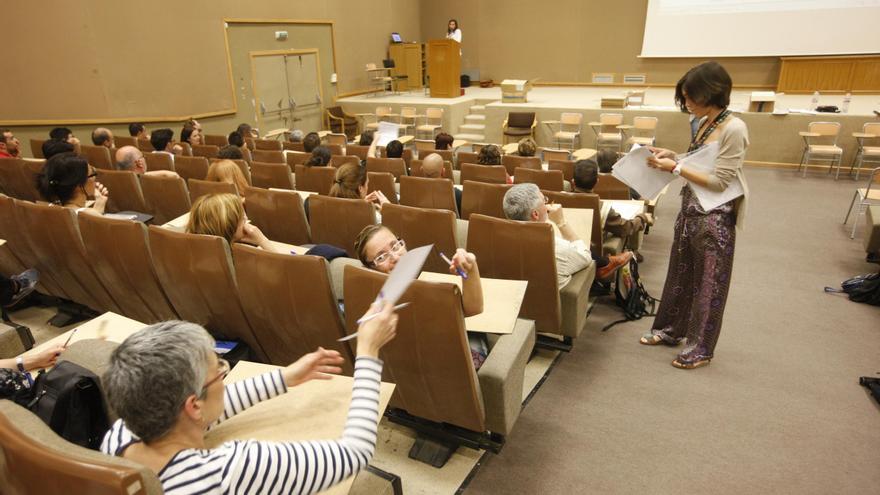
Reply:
x=779, y=410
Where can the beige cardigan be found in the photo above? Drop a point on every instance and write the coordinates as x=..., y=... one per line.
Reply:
x=733, y=140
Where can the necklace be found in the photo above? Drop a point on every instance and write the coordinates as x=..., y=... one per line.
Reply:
x=700, y=138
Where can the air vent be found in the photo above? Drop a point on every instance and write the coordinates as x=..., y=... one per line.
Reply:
x=603, y=78
x=634, y=79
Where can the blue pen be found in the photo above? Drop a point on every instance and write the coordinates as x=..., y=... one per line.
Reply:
x=457, y=269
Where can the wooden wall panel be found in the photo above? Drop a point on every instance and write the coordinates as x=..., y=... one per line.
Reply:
x=834, y=74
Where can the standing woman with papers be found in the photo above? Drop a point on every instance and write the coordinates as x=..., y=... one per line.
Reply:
x=701, y=261
x=453, y=32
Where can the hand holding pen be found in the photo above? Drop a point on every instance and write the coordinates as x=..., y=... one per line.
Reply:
x=461, y=263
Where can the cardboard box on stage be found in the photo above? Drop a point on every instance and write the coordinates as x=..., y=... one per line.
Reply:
x=515, y=90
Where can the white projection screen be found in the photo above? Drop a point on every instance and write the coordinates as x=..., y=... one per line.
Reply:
x=746, y=28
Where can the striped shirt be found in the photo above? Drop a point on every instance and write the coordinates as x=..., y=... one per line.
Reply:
x=251, y=466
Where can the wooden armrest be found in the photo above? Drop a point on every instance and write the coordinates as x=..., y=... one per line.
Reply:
x=809, y=134
x=863, y=135
x=625, y=126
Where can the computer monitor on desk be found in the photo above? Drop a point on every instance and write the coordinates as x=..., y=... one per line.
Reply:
x=395, y=38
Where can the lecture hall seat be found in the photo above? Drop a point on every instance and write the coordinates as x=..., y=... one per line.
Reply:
x=338, y=221
x=124, y=189
x=513, y=162
x=423, y=226
x=483, y=198
x=422, y=192
x=167, y=197
x=545, y=179
x=278, y=214
x=490, y=174
x=275, y=175
x=384, y=182
x=314, y=179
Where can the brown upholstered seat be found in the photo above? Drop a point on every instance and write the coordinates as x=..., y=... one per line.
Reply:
x=246, y=154
x=465, y=157
x=550, y=154
x=186, y=149
x=422, y=226
x=125, y=190
x=341, y=122
x=18, y=178
x=357, y=150
x=215, y=140
x=545, y=179
x=483, y=198
x=290, y=304
x=36, y=460
x=447, y=155
x=382, y=181
x=265, y=156
x=56, y=242
x=207, y=150
x=191, y=167
x=422, y=192
x=287, y=145
x=335, y=149
x=415, y=169
x=340, y=160
x=518, y=125
x=315, y=179
x=249, y=143
x=167, y=197
x=394, y=166
x=279, y=214
x=19, y=244
x=582, y=200
x=37, y=148
x=98, y=156
x=199, y=188
x=124, y=265
x=121, y=141
x=429, y=360
x=268, y=175
x=145, y=145
x=294, y=158
x=336, y=138
x=159, y=161
x=198, y=277
x=566, y=166
x=610, y=187
x=268, y=145
x=513, y=162
x=338, y=221
x=244, y=166
x=492, y=174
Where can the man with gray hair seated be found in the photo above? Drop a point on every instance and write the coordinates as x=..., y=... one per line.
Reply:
x=166, y=384
x=296, y=136
x=132, y=159
x=103, y=137
x=525, y=202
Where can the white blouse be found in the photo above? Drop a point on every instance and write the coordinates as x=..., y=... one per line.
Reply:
x=455, y=35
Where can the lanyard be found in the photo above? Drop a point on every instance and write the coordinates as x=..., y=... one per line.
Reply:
x=696, y=142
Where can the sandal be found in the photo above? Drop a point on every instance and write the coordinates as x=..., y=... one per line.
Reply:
x=651, y=339
x=699, y=363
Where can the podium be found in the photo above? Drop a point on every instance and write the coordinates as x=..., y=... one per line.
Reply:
x=444, y=68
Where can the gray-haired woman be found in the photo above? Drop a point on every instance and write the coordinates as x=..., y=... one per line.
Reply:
x=166, y=384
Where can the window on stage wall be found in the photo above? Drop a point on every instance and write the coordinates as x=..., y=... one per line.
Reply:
x=732, y=28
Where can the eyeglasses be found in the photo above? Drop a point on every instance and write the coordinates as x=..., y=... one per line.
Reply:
x=92, y=175
x=546, y=200
x=223, y=370
x=396, y=248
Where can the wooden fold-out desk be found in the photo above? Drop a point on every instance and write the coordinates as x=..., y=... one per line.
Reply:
x=315, y=410
x=627, y=208
x=109, y=326
x=502, y=300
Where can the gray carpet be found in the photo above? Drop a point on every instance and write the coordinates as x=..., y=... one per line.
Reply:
x=779, y=410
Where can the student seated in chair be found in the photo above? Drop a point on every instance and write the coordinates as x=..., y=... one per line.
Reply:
x=223, y=215
x=606, y=159
x=64, y=134
x=10, y=146
x=230, y=152
x=103, y=137
x=138, y=131
x=394, y=149
x=235, y=139
x=69, y=181
x=163, y=142
x=296, y=136
x=320, y=157
x=525, y=202
x=190, y=134
x=527, y=147
x=443, y=141
x=491, y=155
x=166, y=384
x=311, y=141
x=586, y=173
x=351, y=182
x=366, y=138
x=379, y=248
x=227, y=171
x=246, y=131
x=132, y=159
x=432, y=168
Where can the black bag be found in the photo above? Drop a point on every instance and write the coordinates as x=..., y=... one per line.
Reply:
x=631, y=295
x=861, y=288
x=15, y=387
x=68, y=399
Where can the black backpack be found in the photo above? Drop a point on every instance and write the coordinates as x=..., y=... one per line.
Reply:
x=631, y=295
x=861, y=288
x=68, y=399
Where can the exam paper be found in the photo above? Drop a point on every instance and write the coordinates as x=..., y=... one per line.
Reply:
x=703, y=160
x=388, y=131
x=633, y=170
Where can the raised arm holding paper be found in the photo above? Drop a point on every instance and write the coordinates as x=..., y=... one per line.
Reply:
x=701, y=260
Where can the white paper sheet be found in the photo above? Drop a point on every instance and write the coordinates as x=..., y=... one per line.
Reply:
x=388, y=131
x=703, y=160
x=633, y=170
x=627, y=209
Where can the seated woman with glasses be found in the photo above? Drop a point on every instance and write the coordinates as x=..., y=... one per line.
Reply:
x=166, y=384
x=68, y=180
x=379, y=249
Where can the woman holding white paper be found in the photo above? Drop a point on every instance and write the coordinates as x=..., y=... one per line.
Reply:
x=701, y=261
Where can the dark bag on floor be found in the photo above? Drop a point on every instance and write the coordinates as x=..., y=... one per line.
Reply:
x=861, y=288
x=68, y=399
x=15, y=387
x=631, y=295
x=872, y=384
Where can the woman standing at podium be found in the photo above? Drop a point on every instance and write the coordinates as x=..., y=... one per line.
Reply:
x=453, y=32
x=701, y=261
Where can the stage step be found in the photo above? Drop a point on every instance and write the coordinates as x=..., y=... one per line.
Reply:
x=474, y=138
x=475, y=117
x=472, y=127
x=478, y=108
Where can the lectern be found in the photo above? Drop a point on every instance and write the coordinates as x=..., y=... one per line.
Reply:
x=444, y=68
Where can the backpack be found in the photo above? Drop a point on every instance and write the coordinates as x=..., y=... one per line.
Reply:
x=631, y=295
x=68, y=398
x=861, y=288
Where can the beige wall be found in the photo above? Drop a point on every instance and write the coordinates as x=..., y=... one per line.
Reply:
x=567, y=40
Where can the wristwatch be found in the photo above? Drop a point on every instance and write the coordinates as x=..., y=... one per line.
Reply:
x=19, y=362
x=677, y=170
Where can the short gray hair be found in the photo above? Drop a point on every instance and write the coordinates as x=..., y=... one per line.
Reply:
x=153, y=372
x=126, y=157
x=520, y=200
x=296, y=136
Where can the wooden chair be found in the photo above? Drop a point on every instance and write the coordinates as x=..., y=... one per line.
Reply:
x=492, y=174
x=545, y=179
x=569, y=130
x=869, y=153
x=644, y=131
x=279, y=214
x=382, y=181
x=383, y=114
x=294, y=158
x=357, y=150
x=608, y=134
x=518, y=125
x=276, y=175
x=145, y=145
x=463, y=157
x=18, y=178
x=340, y=122
x=125, y=141
x=186, y=149
x=335, y=149
x=825, y=133
x=336, y=139
x=433, y=122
